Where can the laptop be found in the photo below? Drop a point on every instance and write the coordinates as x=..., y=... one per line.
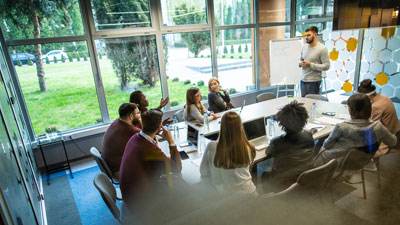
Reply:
x=239, y=110
x=256, y=133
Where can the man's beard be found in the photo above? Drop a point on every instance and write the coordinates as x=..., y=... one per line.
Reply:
x=310, y=41
x=135, y=122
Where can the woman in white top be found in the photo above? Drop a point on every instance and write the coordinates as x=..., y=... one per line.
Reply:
x=227, y=160
x=194, y=110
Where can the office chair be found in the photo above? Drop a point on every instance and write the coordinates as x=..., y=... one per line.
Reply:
x=317, y=97
x=180, y=115
x=108, y=194
x=265, y=96
x=285, y=193
x=317, y=178
x=103, y=165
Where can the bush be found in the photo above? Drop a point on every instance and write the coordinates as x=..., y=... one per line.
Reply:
x=232, y=91
x=51, y=129
x=63, y=58
x=200, y=83
x=201, y=56
x=78, y=57
x=47, y=60
x=84, y=58
x=70, y=57
x=225, y=50
x=232, y=50
x=250, y=57
x=30, y=61
x=99, y=120
x=19, y=63
x=175, y=79
x=55, y=59
x=240, y=57
x=240, y=49
x=246, y=49
x=167, y=77
x=174, y=103
x=208, y=56
x=231, y=56
x=223, y=56
x=187, y=82
x=100, y=56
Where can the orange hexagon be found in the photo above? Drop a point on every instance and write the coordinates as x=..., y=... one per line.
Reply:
x=334, y=55
x=351, y=44
x=347, y=87
x=382, y=79
x=388, y=32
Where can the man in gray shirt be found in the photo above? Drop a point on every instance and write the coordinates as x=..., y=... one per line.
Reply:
x=313, y=60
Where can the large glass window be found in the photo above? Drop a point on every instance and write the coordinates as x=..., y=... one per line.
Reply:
x=177, y=12
x=118, y=14
x=309, y=9
x=126, y=65
x=233, y=12
x=235, y=59
x=267, y=34
x=47, y=19
x=301, y=28
x=59, y=91
x=274, y=11
x=188, y=63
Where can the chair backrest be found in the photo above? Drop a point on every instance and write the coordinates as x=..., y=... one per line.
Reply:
x=101, y=163
x=108, y=193
x=317, y=178
x=397, y=146
x=316, y=96
x=288, y=191
x=265, y=96
x=355, y=160
x=344, y=102
x=180, y=115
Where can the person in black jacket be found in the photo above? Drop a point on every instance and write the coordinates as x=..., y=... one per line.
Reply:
x=217, y=101
x=292, y=151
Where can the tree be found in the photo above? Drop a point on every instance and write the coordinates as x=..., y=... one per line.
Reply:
x=195, y=41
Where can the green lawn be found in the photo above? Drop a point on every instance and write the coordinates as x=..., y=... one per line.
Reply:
x=71, y=100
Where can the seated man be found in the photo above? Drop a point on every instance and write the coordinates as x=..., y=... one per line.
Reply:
x=292, y=151
x=145, y=169
x=118, y=134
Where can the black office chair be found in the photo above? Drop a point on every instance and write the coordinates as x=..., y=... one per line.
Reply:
x=103, y=165
x=180, y=115
x=265, y=96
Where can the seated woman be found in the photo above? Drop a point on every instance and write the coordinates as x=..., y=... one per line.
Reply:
x=382, y=110
x=140, y=99
x=217, y=101
x=227, y=160
x=292, y=151
x=358, y=133
x=194, y=110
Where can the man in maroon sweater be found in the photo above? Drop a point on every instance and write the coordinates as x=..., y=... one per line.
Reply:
x=145, y=169
x=118, y=134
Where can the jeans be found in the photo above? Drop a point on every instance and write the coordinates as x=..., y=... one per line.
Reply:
x=309, y=88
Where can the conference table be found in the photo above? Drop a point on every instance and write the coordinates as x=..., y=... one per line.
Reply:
x=190, y=167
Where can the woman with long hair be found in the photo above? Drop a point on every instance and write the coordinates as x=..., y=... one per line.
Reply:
x=218, y=98
x=228, y=159
x=194, y=110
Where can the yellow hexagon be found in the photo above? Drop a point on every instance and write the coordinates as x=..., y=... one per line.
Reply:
x=388, y=32
x=304, y=33
x=351, y=44
x=382, y=79
x=334, y=55
x=347, y=87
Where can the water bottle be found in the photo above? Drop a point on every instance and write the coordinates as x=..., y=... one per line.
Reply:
x=176, y=127
x=206, y=125
x=271, y=127
x=313, y=111
x=201, y=144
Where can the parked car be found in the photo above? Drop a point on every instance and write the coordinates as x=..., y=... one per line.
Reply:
x=57, y=53
x=23, y=57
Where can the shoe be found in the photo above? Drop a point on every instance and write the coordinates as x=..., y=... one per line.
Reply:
x=370, y=167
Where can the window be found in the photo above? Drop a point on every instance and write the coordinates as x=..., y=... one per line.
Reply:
x=65, y=96
x=188, y=63
x=233, y=12
x=53, y=19
x=118, y=14
x=235, y=59
x=309, y=9
x=126, y=65
x=267, y=34
x=322, y=27
x=271, y=11
x=177, y=12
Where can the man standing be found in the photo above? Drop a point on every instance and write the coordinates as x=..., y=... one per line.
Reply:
x=313, y=60
x=118, y=134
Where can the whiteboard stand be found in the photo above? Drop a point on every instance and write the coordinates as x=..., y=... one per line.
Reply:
x=324, y=83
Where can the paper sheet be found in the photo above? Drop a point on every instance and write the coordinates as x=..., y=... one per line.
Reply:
x=309, y=126
x=328, y=120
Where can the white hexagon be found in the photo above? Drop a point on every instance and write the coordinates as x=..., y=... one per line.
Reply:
x=329, y=44
x=335, y=35
x=376, y=67
x=395, y=80
x=337, y=85
x=398, y=91
x=331, y=75
x=370, y=56
x=394, y=43
x=396, y=56
x=379, y=44
x=340, y=44
x=343, y=76
x=374, y=33
x=343, y=55
x=338, y=64
x=368, y=76
x=325, y=35
x=387, y=90
x=351, y=77
x=367, y=43
x=385, y=55
x=364, y=67
x=350, y=65
x=390, y=68
x=347, y=34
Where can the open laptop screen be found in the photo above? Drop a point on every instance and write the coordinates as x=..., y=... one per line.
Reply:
x=255, y=128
